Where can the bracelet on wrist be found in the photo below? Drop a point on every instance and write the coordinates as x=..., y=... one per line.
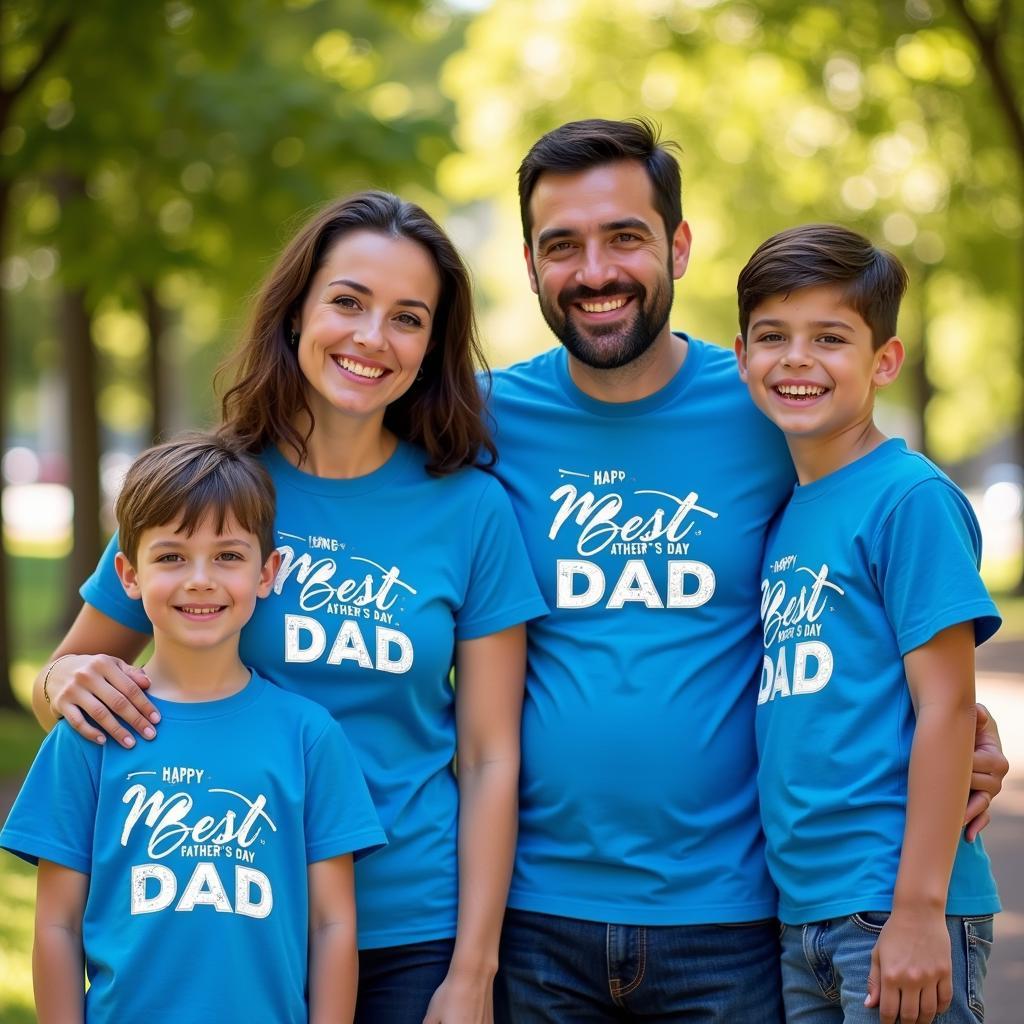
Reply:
x=46, y=680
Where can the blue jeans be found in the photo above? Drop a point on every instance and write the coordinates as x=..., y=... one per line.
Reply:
x=825, y=969
x=396, y=983
x=559, y=970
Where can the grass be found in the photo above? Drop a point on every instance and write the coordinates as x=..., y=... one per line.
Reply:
x=17, y=897
x=20, y=737
x=1012, y=609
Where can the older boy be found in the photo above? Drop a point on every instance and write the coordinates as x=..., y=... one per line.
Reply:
x=207, y=863
x=871, y=605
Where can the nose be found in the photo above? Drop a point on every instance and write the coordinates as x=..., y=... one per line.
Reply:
x=797, y=353
x=596, y=270
x=369, y=333
x=199, y=578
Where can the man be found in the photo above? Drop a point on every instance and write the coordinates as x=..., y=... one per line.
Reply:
x=644, y=480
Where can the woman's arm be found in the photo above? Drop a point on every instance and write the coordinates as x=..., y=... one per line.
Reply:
x=489, y=675
x=98, y=679
x=58, y=962
x=333, y=961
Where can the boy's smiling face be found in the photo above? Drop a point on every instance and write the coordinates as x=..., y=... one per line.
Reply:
x=810, y=364
x=199, y=590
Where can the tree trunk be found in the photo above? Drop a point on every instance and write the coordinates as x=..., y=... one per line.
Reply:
x=7, y=698
x=921, y=386
x=156, y=322
x=84, y=444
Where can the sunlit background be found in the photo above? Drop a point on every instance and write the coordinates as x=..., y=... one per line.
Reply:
x=156, y=155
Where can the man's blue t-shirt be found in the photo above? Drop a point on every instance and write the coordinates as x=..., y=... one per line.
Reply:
x=645, y=524
x=381, y=575
x=862, y=567
x=196, y=848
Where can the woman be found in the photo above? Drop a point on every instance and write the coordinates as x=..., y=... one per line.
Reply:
x=355, y=383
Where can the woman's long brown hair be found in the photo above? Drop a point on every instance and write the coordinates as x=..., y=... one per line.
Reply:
x=441, y=411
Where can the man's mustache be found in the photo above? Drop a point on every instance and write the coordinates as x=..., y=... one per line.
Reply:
x=583, y=294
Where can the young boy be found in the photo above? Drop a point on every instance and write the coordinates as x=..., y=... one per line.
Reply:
x=188, y=876
x=871, y=605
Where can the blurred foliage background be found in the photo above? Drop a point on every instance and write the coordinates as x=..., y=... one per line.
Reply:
x=156, y=155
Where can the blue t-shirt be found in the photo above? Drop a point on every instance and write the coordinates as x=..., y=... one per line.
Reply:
x=381, y=576
x=645, y=524
x=196, y=848
x=863, y=566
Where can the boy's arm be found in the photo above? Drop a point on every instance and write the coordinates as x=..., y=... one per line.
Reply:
x=910, y=965
x=58, y=967
x=333, y=963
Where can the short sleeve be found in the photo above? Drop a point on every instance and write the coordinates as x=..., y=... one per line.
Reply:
x=925, y=560
x=104, y=592
x=54, y=815
x=339, y=815
x=501, y=590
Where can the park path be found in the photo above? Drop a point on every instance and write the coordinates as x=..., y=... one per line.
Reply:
x=1001, y=688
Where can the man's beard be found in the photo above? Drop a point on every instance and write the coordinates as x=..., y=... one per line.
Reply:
x=617, y=344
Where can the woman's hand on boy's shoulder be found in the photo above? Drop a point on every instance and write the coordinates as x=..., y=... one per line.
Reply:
x=91, y=674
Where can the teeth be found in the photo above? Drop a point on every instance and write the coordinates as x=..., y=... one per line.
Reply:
x=812, y=390
x=359, y=369
x=199, y=611
x=603, y=307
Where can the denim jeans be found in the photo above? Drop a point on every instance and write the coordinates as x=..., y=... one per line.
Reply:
x=825, y=969
x=396, y=983
x=559, y=970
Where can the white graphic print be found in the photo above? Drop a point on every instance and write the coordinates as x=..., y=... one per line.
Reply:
x=365, y=595
x=805, y=665
x=174, y=830
x=655, y=523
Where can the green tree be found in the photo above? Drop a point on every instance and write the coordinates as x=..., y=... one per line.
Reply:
x=167, y=177
x=878, y=116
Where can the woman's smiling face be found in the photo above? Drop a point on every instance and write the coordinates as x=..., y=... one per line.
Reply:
x=365, y=324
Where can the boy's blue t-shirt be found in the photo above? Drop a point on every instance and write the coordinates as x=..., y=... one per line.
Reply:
x=862, y=566
x=645, y=524
x=381, y=575
x=196, y=848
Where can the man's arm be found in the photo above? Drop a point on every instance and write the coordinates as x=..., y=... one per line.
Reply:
x=58, y=962
x=333, y=961
x=988, y=770
x=911, y=969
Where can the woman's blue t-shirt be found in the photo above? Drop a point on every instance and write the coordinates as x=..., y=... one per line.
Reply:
x=381, y=575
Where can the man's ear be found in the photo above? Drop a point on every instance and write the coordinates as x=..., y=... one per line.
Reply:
x=741, y=356
x=127, y=575
x=888, y=362
x=531, y=270
x=681, y=242
x=269, y=573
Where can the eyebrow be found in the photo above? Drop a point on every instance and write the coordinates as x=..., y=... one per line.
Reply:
x=363, y=290
x=221, y=541
x=769, y=322
x=550, y=234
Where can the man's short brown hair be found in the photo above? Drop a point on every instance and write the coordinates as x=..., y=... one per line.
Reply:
x=194, y=476
x=873, y=280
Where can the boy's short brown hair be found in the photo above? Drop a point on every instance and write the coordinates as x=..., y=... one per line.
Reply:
x=191, y=477
x=814, y=254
